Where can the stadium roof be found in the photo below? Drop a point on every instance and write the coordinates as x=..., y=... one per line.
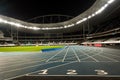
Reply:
x=74, y=24
x=27, y=9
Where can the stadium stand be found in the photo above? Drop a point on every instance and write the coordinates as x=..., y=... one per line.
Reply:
x=5, y=41
x=1, y=35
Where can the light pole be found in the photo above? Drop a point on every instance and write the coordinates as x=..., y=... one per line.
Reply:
x=17, y=34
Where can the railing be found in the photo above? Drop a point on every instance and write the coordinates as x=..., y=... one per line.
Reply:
x=105, y=33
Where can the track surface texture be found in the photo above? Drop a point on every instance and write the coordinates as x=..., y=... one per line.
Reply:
x=73, y=62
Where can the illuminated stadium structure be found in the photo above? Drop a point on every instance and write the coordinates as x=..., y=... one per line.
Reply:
x=98, y=7
x=57, y=32
x=86, y=47
x=53, y=33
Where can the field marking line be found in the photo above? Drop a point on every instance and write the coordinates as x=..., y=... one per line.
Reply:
x=76, y=55
x=65, y=54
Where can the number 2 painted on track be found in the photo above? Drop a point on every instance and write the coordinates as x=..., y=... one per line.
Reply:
x=71, y=72
x=43, y=71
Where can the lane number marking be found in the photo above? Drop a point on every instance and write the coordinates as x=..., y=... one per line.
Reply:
x=101, y=72
x=43, y=71
x=71, y=72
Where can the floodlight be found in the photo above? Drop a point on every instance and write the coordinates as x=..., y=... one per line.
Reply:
x=110, y=1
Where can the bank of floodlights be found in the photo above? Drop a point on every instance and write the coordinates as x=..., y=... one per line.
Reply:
x=19, y=25
x=97, y=12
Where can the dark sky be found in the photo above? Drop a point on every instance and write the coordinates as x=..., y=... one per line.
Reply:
x=27, y=9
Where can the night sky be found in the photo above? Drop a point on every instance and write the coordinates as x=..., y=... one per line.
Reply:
x=27, y=9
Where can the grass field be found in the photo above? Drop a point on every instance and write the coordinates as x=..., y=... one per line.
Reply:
x=26, y=48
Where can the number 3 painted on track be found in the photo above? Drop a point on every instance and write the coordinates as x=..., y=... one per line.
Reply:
x=101, y=72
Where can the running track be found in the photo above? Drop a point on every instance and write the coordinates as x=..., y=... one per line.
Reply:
x=70, y=61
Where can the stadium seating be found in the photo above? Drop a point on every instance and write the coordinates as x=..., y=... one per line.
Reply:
x=1, y=34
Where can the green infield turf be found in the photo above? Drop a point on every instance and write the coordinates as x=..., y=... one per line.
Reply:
x=26, y=48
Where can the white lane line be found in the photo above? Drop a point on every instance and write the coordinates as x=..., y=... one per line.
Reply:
x=20, y=62
x=64, y=61
x=89, y=56
x=109, y=58
x=17, y=60
x=76, y=55
x=85, y=61
x=54, y=67
x=23, y=63
x=90, y=50
x=10, y=59
x=27, y=60
x=35, y=61
x=65, y=54
x=65, y=58
x=25, y=67
x=15, y=77
x=84, y=50
x=77, y=75
x=112, y=54
x=39, y=70
x=55, y=55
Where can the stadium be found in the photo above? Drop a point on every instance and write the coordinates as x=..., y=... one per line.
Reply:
x=84, y=45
